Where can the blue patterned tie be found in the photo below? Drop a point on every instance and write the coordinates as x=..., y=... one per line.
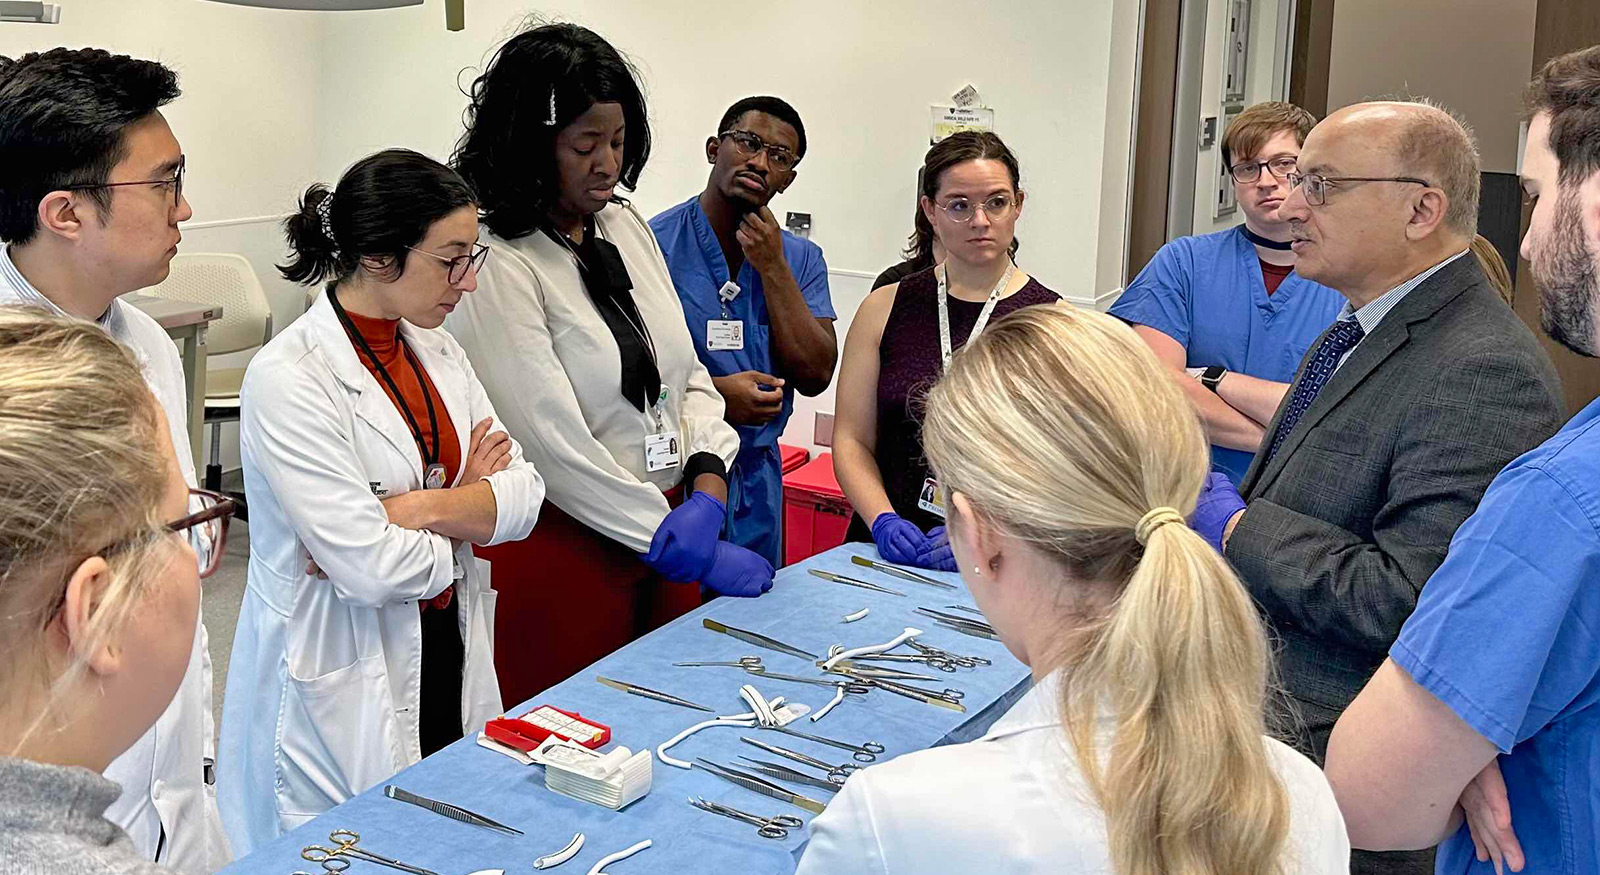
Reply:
x=1340, y=339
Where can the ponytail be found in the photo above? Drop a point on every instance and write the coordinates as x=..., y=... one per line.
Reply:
x=1065, y=434
x=314, y=254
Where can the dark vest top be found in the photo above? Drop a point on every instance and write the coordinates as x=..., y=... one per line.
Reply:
x=908, y=365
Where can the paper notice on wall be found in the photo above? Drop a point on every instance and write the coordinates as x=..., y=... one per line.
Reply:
x=947, y=120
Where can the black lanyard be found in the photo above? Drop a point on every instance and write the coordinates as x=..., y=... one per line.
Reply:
x=429, y=459
x=605, y=278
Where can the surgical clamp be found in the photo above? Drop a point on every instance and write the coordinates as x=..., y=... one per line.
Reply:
x=847, y=686
x=767, y=827
x=865, y=752
x=793, y=776
x=748, y=663
x=836, y=774
x=346, y=845
x=761, y=785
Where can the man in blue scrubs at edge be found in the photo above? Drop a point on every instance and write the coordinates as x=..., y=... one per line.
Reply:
x=756, y=299
x=1226, y=311
x=1493, y=688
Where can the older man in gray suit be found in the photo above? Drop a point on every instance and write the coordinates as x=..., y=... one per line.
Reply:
x=1400, y=415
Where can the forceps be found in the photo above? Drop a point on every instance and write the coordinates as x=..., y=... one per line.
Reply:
x=836, y=774
x=851, y=581
x=748, y=663
x=953, y=658
x=345, y=841
x=776, y=827
x=847, y=686
x=865, y=752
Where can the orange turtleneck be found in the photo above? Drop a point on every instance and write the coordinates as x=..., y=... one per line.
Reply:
x=383, y=336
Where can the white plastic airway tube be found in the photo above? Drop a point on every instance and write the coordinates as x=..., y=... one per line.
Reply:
x=851, y=618
x=852, y=653
x=838, y=696
x=745, y=720
x=618, y=856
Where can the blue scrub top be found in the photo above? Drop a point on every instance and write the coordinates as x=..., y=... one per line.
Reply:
x=1507, y=633
x=1207, y=293
x=699, y=269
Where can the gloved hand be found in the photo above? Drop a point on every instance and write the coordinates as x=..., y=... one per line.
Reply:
x=738, y=572
x=899, y=540
x=686, y=541
x=1219, y=502
x=938, y=556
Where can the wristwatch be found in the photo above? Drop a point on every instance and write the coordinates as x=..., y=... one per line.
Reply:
x=1212, y=376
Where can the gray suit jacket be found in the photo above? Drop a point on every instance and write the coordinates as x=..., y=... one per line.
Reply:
x=1354, y=513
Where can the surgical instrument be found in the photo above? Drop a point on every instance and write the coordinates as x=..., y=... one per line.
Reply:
x=847, y=686
x=757, y=639
x=637, y=690
x=965, y=608
x=946, y=698
x=445, y=809
x=784, y=773
x=878, y=671
x=938, y=663
x=345, y=845
x=836, y=774
x=776, y=827
x=760, y=785
x=953, y=618
x=599, y=868
x=851, y=581
x=955, y=658
x=865, y=752
x=901, y=573
x=748, y=663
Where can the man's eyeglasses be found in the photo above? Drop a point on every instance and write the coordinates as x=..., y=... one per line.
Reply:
x=174, y=183
x=1317, y=186
x=1246, y=172
x=750, y=145
x=459, y=264
x=961, y=210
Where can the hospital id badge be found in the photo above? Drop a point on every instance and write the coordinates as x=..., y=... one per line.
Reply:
x=931, y=499
x=433, y=478
x=661, y=451
x=724, y=334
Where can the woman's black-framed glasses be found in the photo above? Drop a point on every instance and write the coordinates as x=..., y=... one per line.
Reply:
x=206, y=528
x=174, y=183
x=750, y=145
x=459, y=264
x=1246, y=172
x=1317, y=185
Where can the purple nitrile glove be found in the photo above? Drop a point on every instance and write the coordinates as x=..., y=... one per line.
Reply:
x=686, y=541
x=738, y=572
x=899, y=540
x=1219, y=502
x=938, y=556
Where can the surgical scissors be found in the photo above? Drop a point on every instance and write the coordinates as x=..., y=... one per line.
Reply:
x=748, y=663
x=346, y=841
x=332, y=864
x=953, y=658
x=847, y=686
x=836, y=774
x=865, y=752
x=776, y=827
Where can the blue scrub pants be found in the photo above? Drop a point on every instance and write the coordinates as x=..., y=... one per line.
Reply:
x=755, y=501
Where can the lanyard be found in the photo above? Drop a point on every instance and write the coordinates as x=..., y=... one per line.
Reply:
x=429, y=458
x=983, y=315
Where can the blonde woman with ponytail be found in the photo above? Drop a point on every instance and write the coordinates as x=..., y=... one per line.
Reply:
x=1069, y=460
x=99, y=587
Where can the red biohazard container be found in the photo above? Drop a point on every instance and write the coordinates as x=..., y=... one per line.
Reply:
x=815, y=512
x=792, y=457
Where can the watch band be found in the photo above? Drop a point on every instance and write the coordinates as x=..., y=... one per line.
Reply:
x=1212, y=376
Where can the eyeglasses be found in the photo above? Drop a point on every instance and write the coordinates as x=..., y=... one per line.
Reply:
x=1246, y=172
x=750, y=145
x=961, y=211
x=173, y=182
x=1317, y=186
x=206, y=528
x=459, y=264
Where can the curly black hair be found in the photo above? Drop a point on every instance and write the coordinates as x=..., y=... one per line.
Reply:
x=507, y=154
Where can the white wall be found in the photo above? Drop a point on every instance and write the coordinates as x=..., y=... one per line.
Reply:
x=1474, y=56
x=862, y=77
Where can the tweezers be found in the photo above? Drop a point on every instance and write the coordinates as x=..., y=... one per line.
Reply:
x=756, y=639
x=901, y=573
x=851, y=581
x=784, y=773
x=760, y=785
x=648, y=693
x=875, y=672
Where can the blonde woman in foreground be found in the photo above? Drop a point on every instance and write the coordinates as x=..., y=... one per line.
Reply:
x=1069, y=459
x=99, y=587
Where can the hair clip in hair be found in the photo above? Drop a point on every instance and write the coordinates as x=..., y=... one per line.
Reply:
x=325, y=213
x=552, y=119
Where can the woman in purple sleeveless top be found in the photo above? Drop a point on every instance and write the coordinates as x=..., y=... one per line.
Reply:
x=903, y=334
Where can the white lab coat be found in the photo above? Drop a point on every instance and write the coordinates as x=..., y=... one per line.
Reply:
x=324, y=683
x=1014, y=802
x=166, y=803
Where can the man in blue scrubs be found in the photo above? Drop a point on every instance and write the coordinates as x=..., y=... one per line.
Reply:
x=1493, y=688
x=756, y=300
x=1226, y=311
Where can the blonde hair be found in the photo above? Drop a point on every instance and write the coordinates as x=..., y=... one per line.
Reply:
x=84, y=475
x=1063, y=431
x=1494, y=267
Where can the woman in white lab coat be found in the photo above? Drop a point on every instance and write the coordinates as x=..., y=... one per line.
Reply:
x=580, y=339
x=373, y=461
x=1068, y=459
